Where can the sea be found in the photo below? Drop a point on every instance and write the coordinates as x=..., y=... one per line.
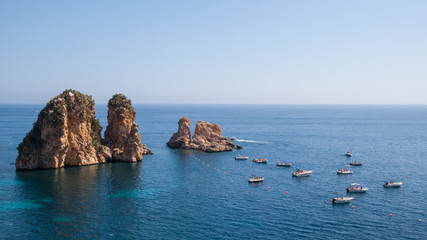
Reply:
x=180, y=194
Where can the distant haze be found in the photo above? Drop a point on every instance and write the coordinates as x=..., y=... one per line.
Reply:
x=219, y=52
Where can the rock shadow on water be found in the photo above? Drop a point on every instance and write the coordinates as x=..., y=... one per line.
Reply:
x=62, y=219
x=138, y=193
x=7, y=206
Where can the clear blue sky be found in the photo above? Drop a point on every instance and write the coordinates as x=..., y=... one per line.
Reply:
x=273, y=52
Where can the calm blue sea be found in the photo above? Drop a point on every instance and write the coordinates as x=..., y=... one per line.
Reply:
x=173, y=195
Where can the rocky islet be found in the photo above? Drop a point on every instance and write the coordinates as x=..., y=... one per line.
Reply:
x=67, y=133
x=207, y=137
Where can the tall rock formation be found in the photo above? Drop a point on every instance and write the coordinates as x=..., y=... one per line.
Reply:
x=66, y=133
x=182, y=138
x=207, y=137
x=122, y=135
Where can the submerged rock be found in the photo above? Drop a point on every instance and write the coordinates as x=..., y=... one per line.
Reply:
x=239, y=146
x=122, y=135
x=182, y=138
x=207, y=137
x=66, y=133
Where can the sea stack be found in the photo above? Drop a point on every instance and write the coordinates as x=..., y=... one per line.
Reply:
x=182, y=138
x=122, y=135
x=66, y=133
x=207, y=137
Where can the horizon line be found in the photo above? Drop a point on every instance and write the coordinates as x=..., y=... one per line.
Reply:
x=301, y=104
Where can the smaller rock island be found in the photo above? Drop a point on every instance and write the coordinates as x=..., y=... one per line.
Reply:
x=207, y=137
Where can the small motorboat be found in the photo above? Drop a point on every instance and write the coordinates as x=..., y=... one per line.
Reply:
x=356, y=188
x=302, y=173
x=233, y=138
x=348, y=154
x=240, y=157
x=283, y=164
x=354, y=163
x=256, y=179
x=391, y=184
x=260, y=160
x=344, y=171
x=342, y=199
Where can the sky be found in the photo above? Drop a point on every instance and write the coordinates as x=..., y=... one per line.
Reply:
x=215, y=52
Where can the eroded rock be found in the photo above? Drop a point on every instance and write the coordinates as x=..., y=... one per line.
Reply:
x=182, y=138
x=207, y=137
x=122, y=135
x=66, y=133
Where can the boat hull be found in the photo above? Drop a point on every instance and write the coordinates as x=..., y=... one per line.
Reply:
x=342, y=200
x=302, y=174
x=363, y=190
x=393, y=185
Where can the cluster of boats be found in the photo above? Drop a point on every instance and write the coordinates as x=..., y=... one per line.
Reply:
x=353, y=188
x=356, y=187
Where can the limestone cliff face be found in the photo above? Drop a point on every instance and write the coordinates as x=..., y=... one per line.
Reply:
x=207, y=137
x=66, y=133
x=182, y=138
x=122, y=135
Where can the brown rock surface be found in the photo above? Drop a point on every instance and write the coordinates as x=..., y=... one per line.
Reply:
x=121, y=134
x=66, y=133
x=182, y=138
x=207, y=137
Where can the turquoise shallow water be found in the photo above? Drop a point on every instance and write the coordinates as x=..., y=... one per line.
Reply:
x=174, y=195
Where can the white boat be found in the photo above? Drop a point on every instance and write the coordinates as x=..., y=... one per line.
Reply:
x=354, y=163
x=283, y=164
x=342, y=199
x=344, y=171
x=302, y=173
x=240, y=157
x=260, y=160
x=356, y=188
x=348, y=154
x=233, y=138
x=256, y=179
x=391, y=184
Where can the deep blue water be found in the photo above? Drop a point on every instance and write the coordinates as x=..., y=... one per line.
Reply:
x=172, y=195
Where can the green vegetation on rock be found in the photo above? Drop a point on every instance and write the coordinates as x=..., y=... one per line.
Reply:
x=82, y=105
x=119, y=101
